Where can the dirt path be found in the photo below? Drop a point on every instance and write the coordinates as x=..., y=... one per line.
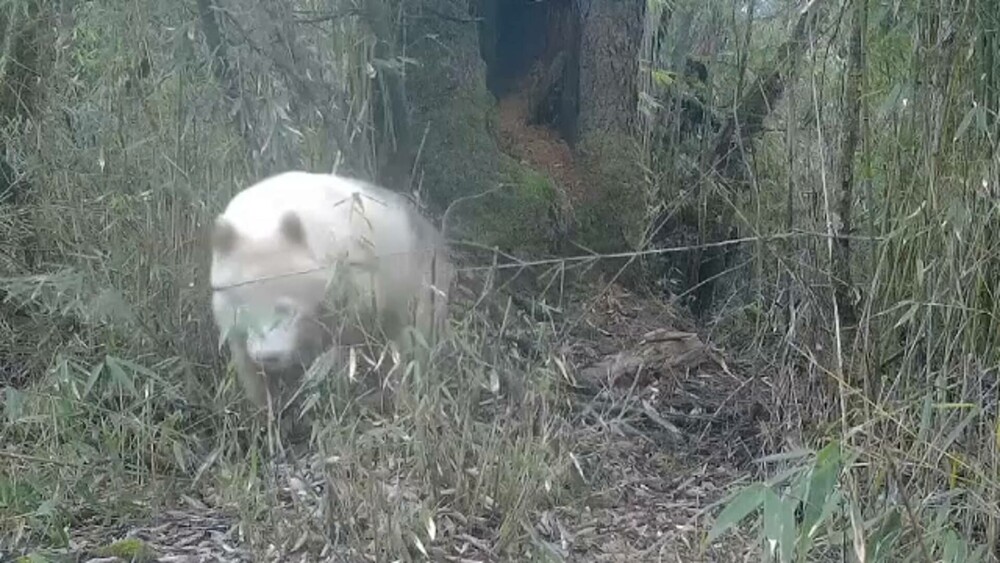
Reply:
x=538, y=146
x=682, y=427
x=662, y=424
x=684, y=421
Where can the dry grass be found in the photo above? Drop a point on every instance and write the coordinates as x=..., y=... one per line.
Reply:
x=592, y=425
x=485, y=455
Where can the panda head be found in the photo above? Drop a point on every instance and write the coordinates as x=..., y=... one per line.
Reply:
x=268, y=292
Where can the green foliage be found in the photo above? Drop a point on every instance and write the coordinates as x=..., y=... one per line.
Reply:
x=112, y=422
x=613, y=217
x=811, y=491
x=807, y=508
x=909, y=381
x=39, y=558
x=518, y=217
x=131, y=549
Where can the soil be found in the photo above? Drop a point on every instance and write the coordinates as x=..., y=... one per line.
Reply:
x=538, y=146
x=664, y=423
x=688, y=429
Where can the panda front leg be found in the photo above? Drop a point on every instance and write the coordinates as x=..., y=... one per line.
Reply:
x=264, y=394
x=249, y=375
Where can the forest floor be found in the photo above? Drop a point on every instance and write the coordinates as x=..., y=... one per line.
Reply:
x=668, y=423
x=538, y=146
x=664, y=423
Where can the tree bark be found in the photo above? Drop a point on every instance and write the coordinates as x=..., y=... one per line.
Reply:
x=450, y=104
x=852, y=133
x=611, y=32
x=393, y=138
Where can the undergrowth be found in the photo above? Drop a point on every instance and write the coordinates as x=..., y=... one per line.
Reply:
x=113, y=440
x=116, y=401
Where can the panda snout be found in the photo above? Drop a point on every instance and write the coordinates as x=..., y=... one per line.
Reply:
x=270, y=356
x=273, y=360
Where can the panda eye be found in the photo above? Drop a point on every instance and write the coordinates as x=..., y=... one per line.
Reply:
x=284, y=310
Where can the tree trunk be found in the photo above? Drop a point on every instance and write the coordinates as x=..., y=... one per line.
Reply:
x=611, y=32
x=393, y=139
x=852, y=128
x=450, y=104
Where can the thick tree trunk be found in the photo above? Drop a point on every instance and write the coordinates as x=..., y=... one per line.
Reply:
x=449, y=101
x=611, y=32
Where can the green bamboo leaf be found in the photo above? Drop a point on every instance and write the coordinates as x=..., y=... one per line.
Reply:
x=955, y=550
x=824, y=476
x=881, y=543
x=118, y=375
x=95, y=374
x=784, y=456
x=779, y=525
x=745, y=502
x=13, y=404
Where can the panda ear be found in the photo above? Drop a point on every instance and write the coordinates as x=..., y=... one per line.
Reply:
x=292, y=229
x=224, y=236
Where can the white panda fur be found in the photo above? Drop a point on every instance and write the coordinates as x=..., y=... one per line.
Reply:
x=301, y=223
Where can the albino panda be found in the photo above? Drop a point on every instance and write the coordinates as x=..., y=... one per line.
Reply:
x=304, y=261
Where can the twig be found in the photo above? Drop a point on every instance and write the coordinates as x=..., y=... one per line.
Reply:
x=447, y=212
x=518, y=263
x=444, y=16
x=330, y=16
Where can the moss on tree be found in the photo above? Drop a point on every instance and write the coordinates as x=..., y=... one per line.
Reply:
x=460, y=155
x=517, y=217
x=613, y=216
